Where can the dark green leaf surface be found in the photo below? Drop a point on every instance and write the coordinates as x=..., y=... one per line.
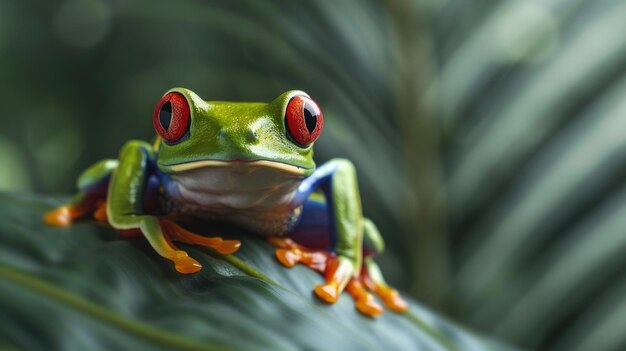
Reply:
x=86, y=288
x=488, y=135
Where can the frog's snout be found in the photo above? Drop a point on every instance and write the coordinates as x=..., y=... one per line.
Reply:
x=231, y=138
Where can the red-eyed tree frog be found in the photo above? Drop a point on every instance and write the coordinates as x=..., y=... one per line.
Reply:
x=250, y=164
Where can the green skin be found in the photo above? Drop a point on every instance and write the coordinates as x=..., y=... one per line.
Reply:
x=237, y=134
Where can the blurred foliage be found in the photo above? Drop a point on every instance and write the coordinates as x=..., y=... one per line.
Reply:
x=488, y=135
x=84, y=288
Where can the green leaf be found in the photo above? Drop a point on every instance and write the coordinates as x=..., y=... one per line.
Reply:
x=85, y=287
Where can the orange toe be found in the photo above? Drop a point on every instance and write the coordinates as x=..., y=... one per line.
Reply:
x=327, y=292
x=59, y=217
x=228, y=247
x=368, y=306
x=185, y=264
x=101, y=213
x=394, y=301
x=288, y=257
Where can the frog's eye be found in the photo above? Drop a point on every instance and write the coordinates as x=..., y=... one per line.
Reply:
x=304, y=120
x=171, y=117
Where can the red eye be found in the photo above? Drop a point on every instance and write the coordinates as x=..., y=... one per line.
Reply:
x=171, y=117
x=304, y=120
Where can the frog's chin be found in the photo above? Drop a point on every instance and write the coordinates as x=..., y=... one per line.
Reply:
x=279, y=166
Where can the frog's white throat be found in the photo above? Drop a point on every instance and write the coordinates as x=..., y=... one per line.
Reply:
x=252, y=194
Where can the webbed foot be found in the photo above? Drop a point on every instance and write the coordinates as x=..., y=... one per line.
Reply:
x=289, y=254
x=100, y=214
x=185, y=264
x=63, y=216
x=363, y=300
x=339, y=275
x=372, y=278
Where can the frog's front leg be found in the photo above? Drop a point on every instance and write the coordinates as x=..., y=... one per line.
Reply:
x=125, y=202
x=344, y=204
x=343, y=264
x=290, y=252
x=124, y=210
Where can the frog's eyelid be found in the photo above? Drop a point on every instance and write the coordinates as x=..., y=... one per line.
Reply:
x=194, y=101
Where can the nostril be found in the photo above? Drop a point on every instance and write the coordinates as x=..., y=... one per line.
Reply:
x=252, y=136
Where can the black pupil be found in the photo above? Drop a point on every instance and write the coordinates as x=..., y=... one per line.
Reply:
x=310, y=117
x=165, y=115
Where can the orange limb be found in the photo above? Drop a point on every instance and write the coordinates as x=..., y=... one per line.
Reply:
x=182, y=262
x=100, y=214
x=65, y=215
x=185, y=264
x=178, y=233
x=391, y=298
x=337, y=276
x=290, y=253
x=363, y=300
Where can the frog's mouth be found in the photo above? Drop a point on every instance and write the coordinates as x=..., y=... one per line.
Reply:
x=287, y=168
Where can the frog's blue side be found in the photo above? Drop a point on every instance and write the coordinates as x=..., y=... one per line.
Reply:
x=313, y=227
x=316, y=227
x=315, y=231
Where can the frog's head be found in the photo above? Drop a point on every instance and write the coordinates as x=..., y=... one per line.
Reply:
x=194, y=133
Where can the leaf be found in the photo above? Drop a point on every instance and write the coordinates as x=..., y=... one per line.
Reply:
x=487, y=135
x=86, y=288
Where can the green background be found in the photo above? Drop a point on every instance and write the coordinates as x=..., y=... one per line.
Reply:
x=489, y=136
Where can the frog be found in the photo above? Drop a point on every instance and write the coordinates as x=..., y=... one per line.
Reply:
x=248, y=164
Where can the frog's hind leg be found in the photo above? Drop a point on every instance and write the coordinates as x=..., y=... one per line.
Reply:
x=65, y=215
x=315, y=255
x=177, y=233
x=289, y=253
x=370, y=279
x=92, y=186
